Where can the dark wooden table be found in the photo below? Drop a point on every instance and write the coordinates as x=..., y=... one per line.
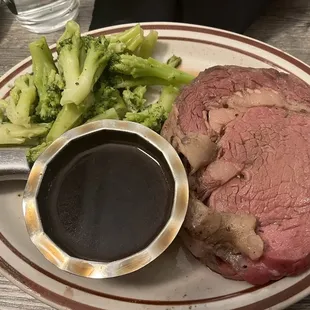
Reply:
x=286, y=25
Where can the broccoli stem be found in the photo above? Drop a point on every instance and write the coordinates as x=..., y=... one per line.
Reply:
x=132, y=37
x=17, y=134
x=120, y=106
x=96, y=60
x=167, y=97
x=23, y=108
x=148, y=44
x=174, y=61
x=69, y=47
x=46, y=79
x=139, y=67
x=42, y=59
x=108, y=114
x=68, y=117
x=125, y=81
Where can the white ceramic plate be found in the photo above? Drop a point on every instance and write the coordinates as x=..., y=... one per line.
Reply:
x=175, y=280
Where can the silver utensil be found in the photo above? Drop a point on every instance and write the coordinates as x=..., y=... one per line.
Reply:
x=13, y=164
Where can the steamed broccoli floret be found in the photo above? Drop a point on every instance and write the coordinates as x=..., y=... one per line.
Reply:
x=116, y=46
x=108, y=114
x=46, y=79
x=153, y=117
x=69, y=49
x=167, y=97
x=96, y=59
x=135, y=99
x=139, y=67
x=17, y=134
x=22, y=100
x=34, y=152
x=156, y=114
x=126, y=81
x=107, y=97
x=148, y=44
x=174, y=61
x=69, y=117
x=132, y=38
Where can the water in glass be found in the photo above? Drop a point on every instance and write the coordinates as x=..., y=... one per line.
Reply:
x=43, y=16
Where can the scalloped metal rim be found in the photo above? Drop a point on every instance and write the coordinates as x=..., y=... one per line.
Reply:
x=126, y=265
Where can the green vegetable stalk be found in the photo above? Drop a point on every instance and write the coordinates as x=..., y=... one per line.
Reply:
x=156, y=114
x=70, y=53
x=22, y=101
x=17, y=134
x=108, y=114
x=174, y=61
x=96, y=59
x=132, y=38
x=125, y=81
x=139, y=67
x=48, y=82
x=148, y=45
x=135, y=99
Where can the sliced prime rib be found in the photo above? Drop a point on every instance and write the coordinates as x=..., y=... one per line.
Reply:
x=244, y=134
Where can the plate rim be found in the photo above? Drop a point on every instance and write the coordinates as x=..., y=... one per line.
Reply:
x=163, y=26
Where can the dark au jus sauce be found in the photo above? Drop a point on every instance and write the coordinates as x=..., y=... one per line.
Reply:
x=106, y=202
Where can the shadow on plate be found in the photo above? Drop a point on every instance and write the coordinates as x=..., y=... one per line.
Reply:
x=176, y=262
x=8, y=187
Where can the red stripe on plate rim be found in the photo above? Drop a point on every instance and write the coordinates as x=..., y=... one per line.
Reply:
x=45, y=295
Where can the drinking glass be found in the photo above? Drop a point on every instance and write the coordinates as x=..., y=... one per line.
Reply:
x=43, y=16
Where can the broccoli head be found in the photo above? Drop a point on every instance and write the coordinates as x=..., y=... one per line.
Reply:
x=107, y=97
x=153, y=117
x=135, y=99
x=48, y=82
x=34, y=152
x=22, y=101
x=156, y=114
x=96, y=58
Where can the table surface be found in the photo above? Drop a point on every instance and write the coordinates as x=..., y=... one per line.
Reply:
x=285, y=24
